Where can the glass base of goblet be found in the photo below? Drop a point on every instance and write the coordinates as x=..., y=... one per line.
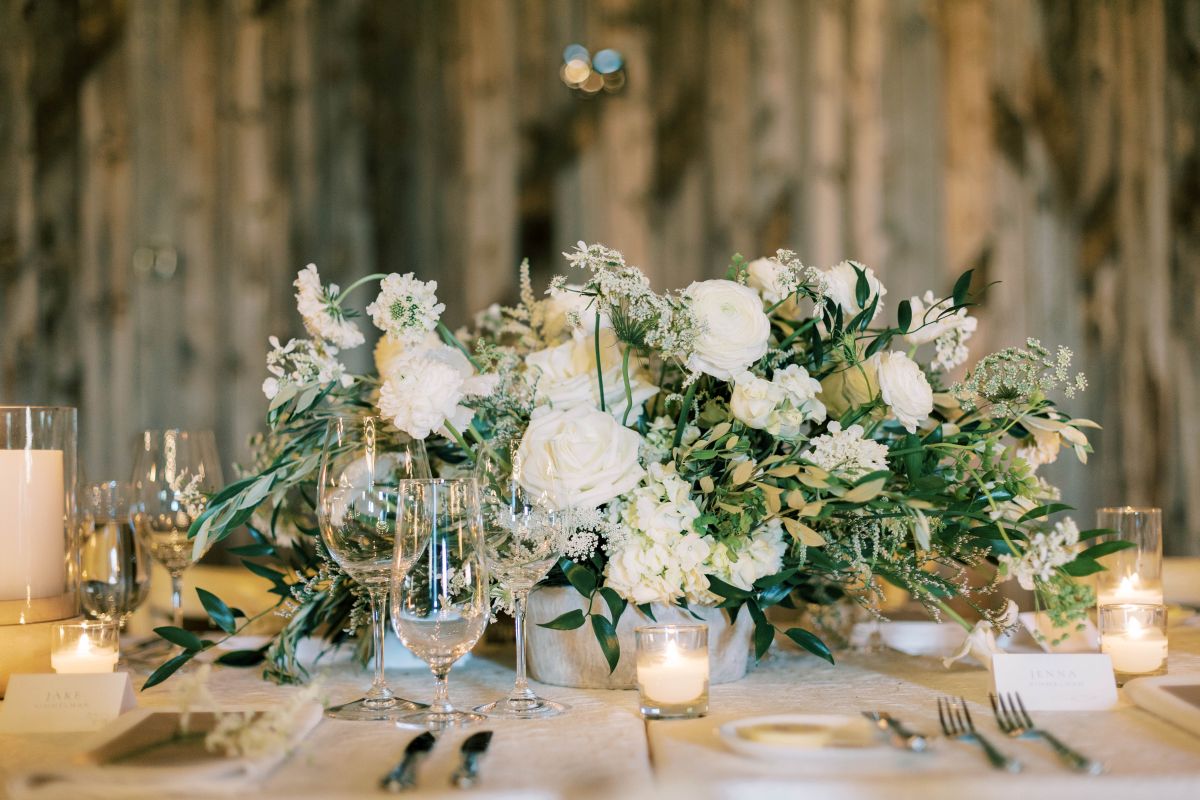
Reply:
x=439, y=720
x=524, y=708
x=363, y=710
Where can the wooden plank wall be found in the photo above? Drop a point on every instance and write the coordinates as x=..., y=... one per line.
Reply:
x=167, y=165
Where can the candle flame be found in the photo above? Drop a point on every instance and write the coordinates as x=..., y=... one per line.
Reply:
x=1128, y=584
x=1135, y=629
x=84, y=646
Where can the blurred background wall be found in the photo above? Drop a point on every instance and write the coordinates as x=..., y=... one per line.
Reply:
x=167, y=165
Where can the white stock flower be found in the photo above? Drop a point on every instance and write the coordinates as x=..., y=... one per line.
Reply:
x=776, y=283
x=735, y=329
x=1044, y=552
x=846, y=452
x=425, y=387
x=841, y=286
x=579, y=457
x=904, y=388
x=406, y=308
x=932, y=322
x=322, y=318
x=566, y=375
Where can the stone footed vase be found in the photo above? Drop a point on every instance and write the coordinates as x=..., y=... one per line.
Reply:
x=573, y=658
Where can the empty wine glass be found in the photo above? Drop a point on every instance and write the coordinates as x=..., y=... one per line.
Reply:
x=524, y=537
x=359, y=510
x=114, y=567
x=174, y=474
x=440, y=604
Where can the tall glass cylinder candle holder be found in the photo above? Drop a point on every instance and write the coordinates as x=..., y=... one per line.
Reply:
x=1132, y=575
x=1134, y=635
x=672, y=670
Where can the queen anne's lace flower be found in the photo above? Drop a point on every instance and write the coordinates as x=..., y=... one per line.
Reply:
x=322, y=316
x=1045, y=552
x=406, y=308
x=846, y=452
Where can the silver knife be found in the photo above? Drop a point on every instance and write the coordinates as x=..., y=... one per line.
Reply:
x=404, y=776
x=468, y=769
x=898, y=733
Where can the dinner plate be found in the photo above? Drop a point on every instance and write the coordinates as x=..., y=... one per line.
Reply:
x=789, y=737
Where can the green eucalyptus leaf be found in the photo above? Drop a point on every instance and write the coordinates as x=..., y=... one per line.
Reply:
x=185, y=639
x=764, y=637
x=726, y=590
x=221, y=615
x=810, y=642
x=1043, y=511
x=167, y=669
x=565, y=622
x=606, y=635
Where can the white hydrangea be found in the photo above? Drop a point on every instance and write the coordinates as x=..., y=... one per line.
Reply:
x=846, y=452
x=301, y=362
x=840, y=284
x=426, y=387
x=406, y=308
x=322, y=316
x=660, y=438
x=1045, y=552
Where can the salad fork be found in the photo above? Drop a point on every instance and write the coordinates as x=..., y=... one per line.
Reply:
x=1014, y=721
x=957, y=724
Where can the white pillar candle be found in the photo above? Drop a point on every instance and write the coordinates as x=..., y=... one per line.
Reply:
x=85, y=656
x=32, y=538
x=675, y=677
x=1137, y=650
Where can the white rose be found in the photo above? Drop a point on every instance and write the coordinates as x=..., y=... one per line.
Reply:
x=775, y=283
x=754, y=400
x=566, y=375
x=904, y=388
x=736, y=330
x=841, y=286
x=581, y=457
x=930, y=319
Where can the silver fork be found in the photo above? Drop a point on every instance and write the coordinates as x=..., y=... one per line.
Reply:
x=957, y=724
x=1013, y=720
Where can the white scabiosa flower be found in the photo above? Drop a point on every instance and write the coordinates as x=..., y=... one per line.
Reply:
x=846, y=452
x=406, y=308
x=323, y=318
x=905, y=389
x=735, y=330
x=426, y=388
x=840, y=284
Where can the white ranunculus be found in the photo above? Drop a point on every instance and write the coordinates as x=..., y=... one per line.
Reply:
x=775, y=283
x=736, y=330
x=425, y=386
x=566, y=375
x=841, y=284
x=930, y=319
x=581, y=457
x=904, y=388
x=754, y=400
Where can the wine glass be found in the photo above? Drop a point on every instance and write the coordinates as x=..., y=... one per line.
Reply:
x=174, y=473
x=114, y=567
x=524, y=538
x=440, y=602
x=359, y=511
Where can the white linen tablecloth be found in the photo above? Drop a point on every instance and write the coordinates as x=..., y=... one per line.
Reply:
x=604, y=749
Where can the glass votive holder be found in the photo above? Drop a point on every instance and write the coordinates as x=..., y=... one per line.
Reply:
x=1134, y=635
x=1132, y=575
x=672, y=671
x=84, y=647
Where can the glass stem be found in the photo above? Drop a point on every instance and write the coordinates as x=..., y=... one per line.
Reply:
x=521, y=690
x=441, y=692
x=177, y=599
x=379, y=696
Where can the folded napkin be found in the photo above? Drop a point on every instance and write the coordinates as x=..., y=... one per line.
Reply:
x=1175, y=698
x=126, y=765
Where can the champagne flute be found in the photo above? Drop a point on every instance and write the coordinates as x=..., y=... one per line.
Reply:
x=359, y=511
x=114, y=567
x=174, y=474
x=524, y=538
x=440, y=604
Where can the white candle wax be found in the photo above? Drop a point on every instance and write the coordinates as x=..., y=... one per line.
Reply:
x=1130, y=590
x=84, y=657
x=675, y=678
x=31, y=524
x=1137, y=650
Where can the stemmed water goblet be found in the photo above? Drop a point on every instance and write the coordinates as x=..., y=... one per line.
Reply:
x=524, y=538
x=174, y=474
x=114, y=567
x=361, y=514
x=440, y=601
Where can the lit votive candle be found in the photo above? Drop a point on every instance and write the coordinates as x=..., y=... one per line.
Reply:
x=1130, y=589
x=1134, y=635
x=672, y=670
x=84, y=647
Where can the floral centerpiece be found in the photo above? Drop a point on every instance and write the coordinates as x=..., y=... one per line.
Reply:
x=773, y=437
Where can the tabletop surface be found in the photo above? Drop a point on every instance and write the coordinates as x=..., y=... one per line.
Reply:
x=602, y=748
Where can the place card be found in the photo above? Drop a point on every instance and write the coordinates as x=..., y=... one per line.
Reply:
x=49, y=703
x=1084, y=641
x=1057, y=682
